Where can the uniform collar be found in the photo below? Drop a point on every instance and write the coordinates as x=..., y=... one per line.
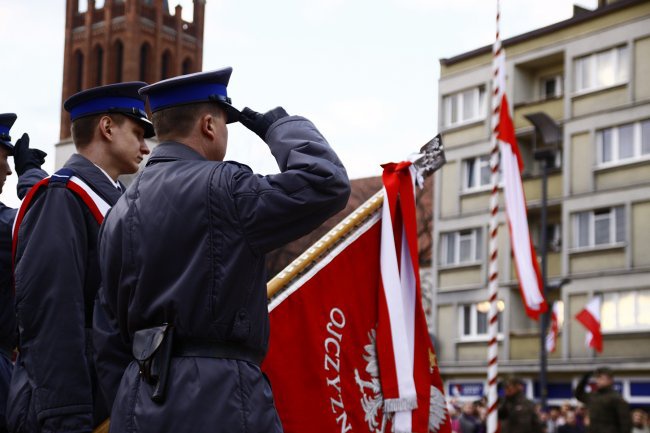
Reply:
x=172, y=151
x=117, y=184
x=94, y=177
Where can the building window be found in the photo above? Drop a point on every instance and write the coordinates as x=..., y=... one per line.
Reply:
x=79, y=60
x=603, y=69
x=144, y=61
x=165, y=65
x=465, y=106
x=119, y=60
x=623, y=143
x=187, y=66
x=477, y=172
x=553, y=236
x=551, y=87
x=599, y=227
x=474, y=320
x=99, y=65
x=461, y=247
x=626, y=311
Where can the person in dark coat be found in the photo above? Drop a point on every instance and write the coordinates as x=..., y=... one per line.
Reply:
x=28, y=167
x=182, y=323
x=517, y=414
x=608, y=412
x=468, y=420
x=571, y=424
x=54, y=384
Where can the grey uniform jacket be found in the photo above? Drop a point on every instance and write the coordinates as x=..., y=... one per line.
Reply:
x=186, y=245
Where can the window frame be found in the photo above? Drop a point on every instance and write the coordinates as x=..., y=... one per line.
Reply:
x=474, y=335
x=559, y=86
x=637, y=145
x=621, y=70
x=592, y=216
x=479, y=97
x=476, y=234
x=637, y=312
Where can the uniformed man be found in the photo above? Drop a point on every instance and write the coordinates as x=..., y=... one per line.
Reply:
x=608, y=412
x=517, y=414
x=182, y=257
x=27, y=162
x=53, y=387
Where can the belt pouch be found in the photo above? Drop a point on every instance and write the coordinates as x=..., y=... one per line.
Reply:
x=152, y=349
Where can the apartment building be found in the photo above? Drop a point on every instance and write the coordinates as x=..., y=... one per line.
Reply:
x=590, y=77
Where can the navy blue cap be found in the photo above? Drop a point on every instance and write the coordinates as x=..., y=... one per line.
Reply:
x=122, y=98
x=6, y=122
x=208, y=86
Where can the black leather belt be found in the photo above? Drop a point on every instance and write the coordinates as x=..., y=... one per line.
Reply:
x=204, y=349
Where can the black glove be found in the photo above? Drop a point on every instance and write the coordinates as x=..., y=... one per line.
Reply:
x=26, y=158
x=259, y=123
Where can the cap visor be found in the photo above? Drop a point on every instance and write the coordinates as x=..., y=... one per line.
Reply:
x=232, y=114
x=7, y=145
x=145, y=123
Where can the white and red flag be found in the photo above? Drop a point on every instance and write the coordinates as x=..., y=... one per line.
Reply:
x=590, y=319
x=349, y=348
x=554, y=329
x=530, y=280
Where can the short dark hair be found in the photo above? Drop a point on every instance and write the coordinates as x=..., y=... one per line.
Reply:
x=513, y=381
x=83, y=129
x=604, y=371
x=178, y=121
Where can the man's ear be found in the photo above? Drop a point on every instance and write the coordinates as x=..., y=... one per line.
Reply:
x=104, y=127
x=207, y=126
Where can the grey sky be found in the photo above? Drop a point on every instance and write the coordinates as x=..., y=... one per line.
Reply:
x=365, y=71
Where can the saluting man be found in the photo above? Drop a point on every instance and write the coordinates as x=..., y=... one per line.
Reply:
x=28, y=166
x=182, y=257
x=54, y=385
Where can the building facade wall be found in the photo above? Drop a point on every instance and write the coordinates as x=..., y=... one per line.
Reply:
x=584, y=187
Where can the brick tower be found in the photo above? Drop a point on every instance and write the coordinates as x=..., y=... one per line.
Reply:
x=128, y=40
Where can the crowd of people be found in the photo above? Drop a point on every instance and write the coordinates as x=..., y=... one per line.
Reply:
x=602, y=410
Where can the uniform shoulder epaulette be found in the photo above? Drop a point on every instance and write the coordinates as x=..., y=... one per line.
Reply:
x=98, y=206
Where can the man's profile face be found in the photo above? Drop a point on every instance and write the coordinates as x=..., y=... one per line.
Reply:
x=128, y=147
x=5, y=170
x=511, y=389
x=603, y=380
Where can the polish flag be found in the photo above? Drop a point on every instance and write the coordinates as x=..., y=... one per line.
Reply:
x=590, y=319
x=554, y=329
x=530, y=280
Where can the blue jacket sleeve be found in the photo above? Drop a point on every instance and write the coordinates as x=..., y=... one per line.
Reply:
x=50, y=271
x=312, y=186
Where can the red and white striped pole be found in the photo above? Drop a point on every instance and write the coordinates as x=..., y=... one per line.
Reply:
x=498, y=83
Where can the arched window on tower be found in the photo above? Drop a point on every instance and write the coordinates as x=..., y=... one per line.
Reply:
x=145, y=54
x=99, y=65
x=118, y=63
x=165, y=65
x=187, y=66
x=79, y=70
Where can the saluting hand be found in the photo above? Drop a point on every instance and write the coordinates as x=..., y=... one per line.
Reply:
x=260, y=123
x=26, y=158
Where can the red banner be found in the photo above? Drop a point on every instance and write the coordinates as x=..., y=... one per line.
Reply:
x=323, y=358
